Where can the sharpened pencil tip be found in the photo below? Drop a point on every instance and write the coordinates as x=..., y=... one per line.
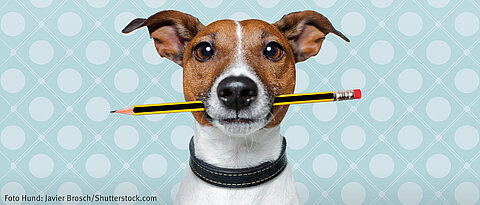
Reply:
x=113, y=111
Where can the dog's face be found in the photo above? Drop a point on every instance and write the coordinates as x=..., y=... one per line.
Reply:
x=237, y=68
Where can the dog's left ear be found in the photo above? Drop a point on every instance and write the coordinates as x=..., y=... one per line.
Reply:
x=171, y=31
x=305, y=32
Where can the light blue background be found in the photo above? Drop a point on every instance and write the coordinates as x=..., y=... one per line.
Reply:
x=412, y=138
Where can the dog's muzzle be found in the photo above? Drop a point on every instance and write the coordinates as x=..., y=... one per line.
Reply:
x=237, y=92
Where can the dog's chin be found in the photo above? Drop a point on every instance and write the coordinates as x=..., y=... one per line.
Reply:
x=239, y=126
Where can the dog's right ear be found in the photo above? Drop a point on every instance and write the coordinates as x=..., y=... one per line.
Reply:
x=305, y=32
x=171, y=31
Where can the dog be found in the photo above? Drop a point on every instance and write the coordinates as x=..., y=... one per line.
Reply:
x=237, y=155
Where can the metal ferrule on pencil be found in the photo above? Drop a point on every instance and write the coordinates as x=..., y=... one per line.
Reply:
x=343, y=95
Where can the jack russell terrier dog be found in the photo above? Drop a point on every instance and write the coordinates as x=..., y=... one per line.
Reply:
x=237, y=155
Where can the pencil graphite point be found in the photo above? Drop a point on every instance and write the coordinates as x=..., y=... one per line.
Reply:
x=126, y=111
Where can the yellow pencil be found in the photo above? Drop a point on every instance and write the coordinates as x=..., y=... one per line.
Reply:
x=192, y=106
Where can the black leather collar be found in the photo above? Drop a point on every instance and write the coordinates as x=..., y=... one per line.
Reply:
x=237, y=178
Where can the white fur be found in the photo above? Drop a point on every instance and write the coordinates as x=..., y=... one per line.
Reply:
x=238, y=146
x=258, y=110
x=216, y=148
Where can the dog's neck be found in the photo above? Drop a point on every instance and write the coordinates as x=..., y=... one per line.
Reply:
x=239, y=151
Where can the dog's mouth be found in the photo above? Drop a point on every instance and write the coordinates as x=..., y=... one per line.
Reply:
x=239, y=120
x=241, y=125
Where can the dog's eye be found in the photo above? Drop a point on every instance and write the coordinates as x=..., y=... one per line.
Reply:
x=203, y=51
x=273, y=51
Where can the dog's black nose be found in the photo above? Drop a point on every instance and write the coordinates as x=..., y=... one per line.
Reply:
x=237, y=92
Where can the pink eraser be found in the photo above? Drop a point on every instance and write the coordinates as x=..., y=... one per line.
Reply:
x=357, y=94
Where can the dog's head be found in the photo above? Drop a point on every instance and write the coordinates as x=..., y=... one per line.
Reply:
x=237, y=68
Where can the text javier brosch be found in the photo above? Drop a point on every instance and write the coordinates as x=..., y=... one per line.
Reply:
x=77, y=198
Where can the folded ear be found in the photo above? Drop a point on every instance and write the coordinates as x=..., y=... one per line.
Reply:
x=305, y=32
x=171, y=31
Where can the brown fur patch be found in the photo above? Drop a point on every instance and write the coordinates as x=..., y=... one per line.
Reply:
x=278, y=76
x=198, y=76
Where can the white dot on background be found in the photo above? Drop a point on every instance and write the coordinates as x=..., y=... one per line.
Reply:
x=324, y=3
x=97, y=52
x=466, y=137
x=154, y=100
x=438, y=52
x=325, y=165
x=12, y=80
x=126, y=80
x=41, y=109
x=180, y=136
x=381, y=52
x=97, y=165
x=69, y=24
x=438, y=109
x=353, y=24
x=466, y=24
x=327, y=54
x=126, y=137
x=466, y=80
x=69, y=80
x=41, y=165
x=154, y=165
x=41, y=52
x=177, y=80
x=353, y=79
x=126, y=189
x=211, y=3
x=97, y=109
x=466, y=193
x=438, y=3
x=381, y=109
x=12, y=24
x=41, y=3
x=410, y=137
x=381, y=3
x=69, y=137
x=353, y=193
x=239, y=16
x=268, y=3
x=353, y=137
x=410, y=193
x=410, y=24
x=69, y=188
x=381, y=165
x=12, y=189
x=302, y=192
x=325, y=111
x=174, y=191
x=122, y=20
x=98, y=3
x=302, y=81
x=150, y=54
x=297, y=137
x=12, y=137
x=154, y=4
x=438, y=165
x=410, y=80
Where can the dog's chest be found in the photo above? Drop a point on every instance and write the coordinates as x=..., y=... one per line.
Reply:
x=280, y=190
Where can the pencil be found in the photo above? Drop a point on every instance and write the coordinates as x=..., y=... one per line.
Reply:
x=192, y=106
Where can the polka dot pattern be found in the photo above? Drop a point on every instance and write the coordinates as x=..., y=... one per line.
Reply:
x=63, y=69
x=12, y=24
